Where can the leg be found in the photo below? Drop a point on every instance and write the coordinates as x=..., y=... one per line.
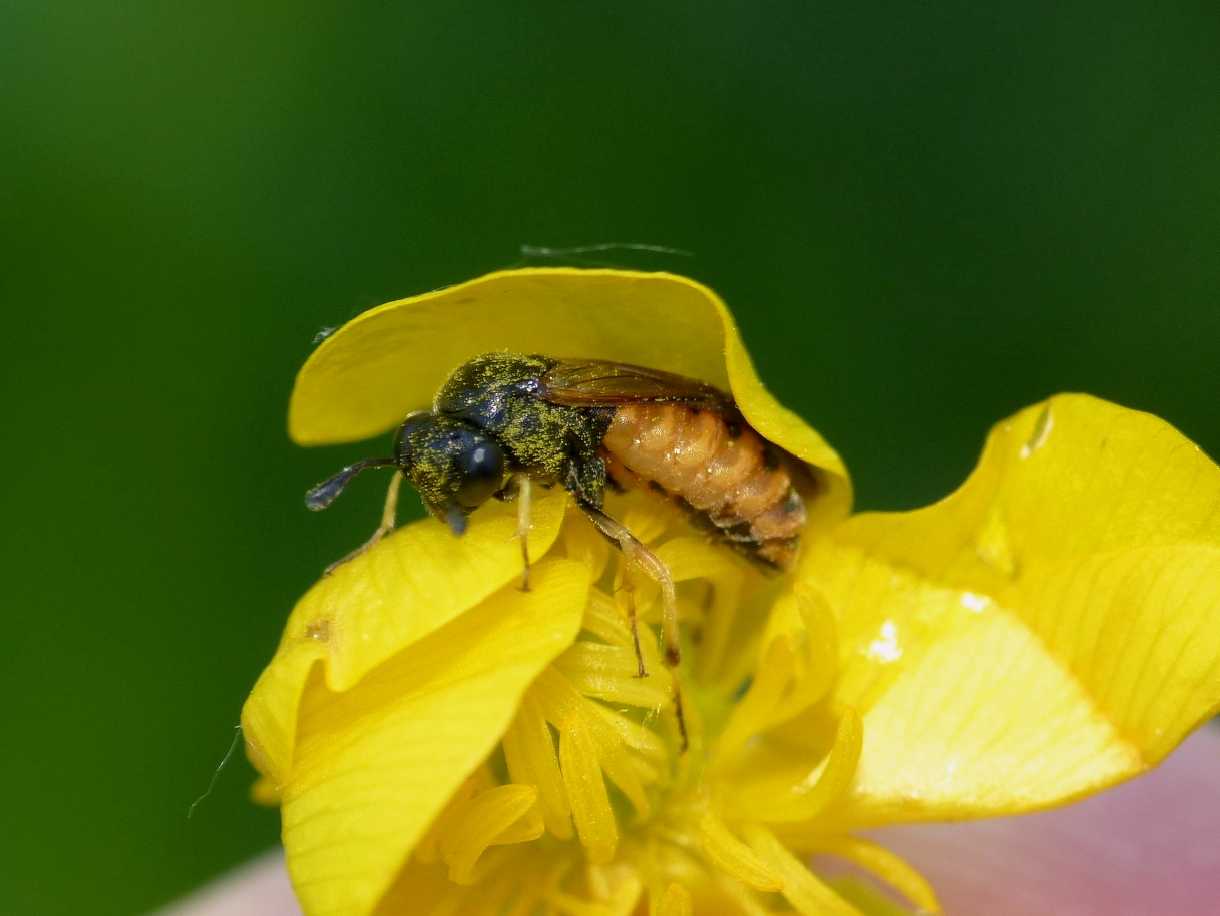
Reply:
x=634, y=623
x=523, y=527
x=389, y=515
x=644, y=558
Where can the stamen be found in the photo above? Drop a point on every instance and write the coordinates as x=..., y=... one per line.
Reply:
x=807, y=617
x=616, y=887
x=837, y=771
x=634, y=735
x=890, y=868
x=808, y=895
x=530, y=753
x=623, y=688
x=606, y=620
x=731, y=855
x=582, y=777
x=676, y=902
x=599, y=658
x=609, y=622
x=587, y=742
x=567, y=710
x=745, y=898
x=490, y=817
x=754, y=712
x=428, y=851
x=778, y=803
x=795, y=671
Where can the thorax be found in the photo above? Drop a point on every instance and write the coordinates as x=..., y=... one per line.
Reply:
x=498, y=392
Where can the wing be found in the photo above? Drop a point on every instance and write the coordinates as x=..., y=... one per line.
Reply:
x=601, y=383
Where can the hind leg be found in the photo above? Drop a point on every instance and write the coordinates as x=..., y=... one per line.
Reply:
x=634, y=623
x=643, y=558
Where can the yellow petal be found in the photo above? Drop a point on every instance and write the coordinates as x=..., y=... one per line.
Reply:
x=376, y=605
x=364, y=378
x=427, y=889
x=377, y=762
x=1049, y=629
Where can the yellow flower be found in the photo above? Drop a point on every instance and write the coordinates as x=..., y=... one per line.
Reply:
x=442, y=742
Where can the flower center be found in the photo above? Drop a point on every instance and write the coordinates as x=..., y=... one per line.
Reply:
x=590, y=785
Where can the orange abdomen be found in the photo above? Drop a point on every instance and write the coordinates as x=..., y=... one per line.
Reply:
x=720, y=468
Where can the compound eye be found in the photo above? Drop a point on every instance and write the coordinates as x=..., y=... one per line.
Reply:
x=481, y=468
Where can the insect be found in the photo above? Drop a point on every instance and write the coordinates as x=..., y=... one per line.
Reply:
x=504, y=421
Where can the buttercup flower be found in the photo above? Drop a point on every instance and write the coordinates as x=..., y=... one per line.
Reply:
x=442, y=742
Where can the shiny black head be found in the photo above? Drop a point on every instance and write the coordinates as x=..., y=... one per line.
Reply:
x=453, y=465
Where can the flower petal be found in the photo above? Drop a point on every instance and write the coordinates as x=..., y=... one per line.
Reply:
x=376, y=605
x=364, y=378
x=376, y=762
x=1049, y=629
x=1145, y=847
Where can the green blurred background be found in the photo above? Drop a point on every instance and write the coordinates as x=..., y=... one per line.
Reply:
x=924, y=215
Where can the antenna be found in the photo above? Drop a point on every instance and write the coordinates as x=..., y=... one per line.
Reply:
x=325, y=493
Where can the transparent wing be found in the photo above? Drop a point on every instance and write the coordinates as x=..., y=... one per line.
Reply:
x=600, y=383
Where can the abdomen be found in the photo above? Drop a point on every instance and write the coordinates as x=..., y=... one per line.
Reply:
x=719, y=468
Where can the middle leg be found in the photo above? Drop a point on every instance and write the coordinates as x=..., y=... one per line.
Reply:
x=523, y=527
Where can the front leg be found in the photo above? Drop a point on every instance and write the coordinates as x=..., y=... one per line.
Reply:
x=389, y=517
